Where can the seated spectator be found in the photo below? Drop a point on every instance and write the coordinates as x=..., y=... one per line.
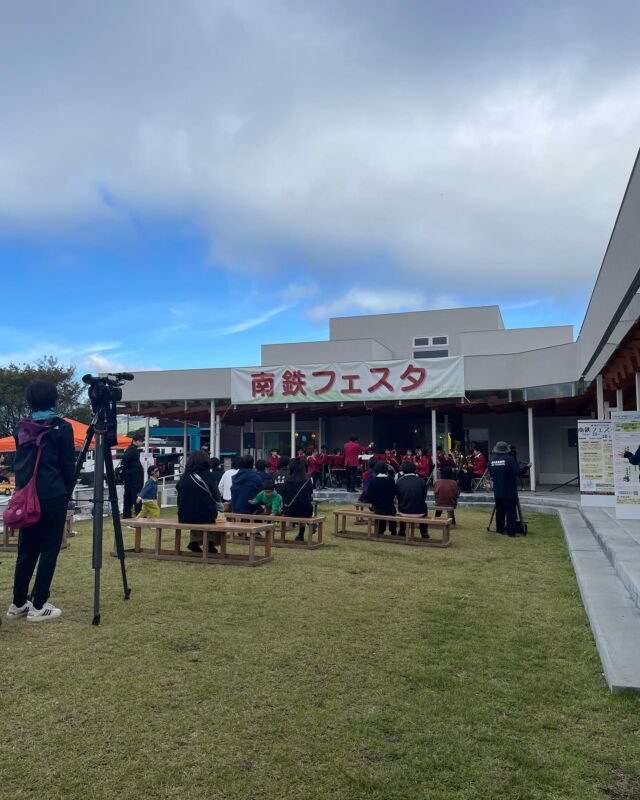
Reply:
x=198, y=497
x=268, y=501
x=446, y=491
x=262, y=468
x=217, y=470
x=298, y=494
x=380, y=492
x=411, y=491
x=225, y=482
x=245, y=485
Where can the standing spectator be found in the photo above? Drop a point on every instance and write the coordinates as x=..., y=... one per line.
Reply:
x=380, y=492
x=411, y=491
x=297, y=499
x=352, y=450
x=225, y=482
x=217, y=470
x=505, y=471
x=40, y=543
x=133, y=476
x=245, y=485
x=282, y=475
x=198, y=497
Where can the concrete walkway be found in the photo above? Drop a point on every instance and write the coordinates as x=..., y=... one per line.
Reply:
x=605, y=553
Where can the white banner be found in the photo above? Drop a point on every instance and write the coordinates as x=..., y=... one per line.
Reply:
x=355, y=381
x=595, y=450
x=626, y=439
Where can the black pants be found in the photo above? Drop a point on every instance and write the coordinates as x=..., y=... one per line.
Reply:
x=381, y=524
x=351, y=473
x=506, y=507
x=424, y=529
x=41, y=541
x=130, y=494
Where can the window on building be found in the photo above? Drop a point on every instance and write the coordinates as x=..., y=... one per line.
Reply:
x=430, y=353
x=421, y=341
x=439, y=340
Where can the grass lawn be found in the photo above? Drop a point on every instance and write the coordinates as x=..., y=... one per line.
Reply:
x=357, y=670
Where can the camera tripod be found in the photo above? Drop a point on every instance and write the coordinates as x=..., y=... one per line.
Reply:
x=103, y=428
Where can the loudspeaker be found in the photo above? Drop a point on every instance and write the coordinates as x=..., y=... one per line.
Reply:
x=248, y=440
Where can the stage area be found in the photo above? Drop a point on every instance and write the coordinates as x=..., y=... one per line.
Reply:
x=355, y=670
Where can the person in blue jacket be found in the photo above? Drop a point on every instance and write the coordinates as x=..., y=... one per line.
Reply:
x=245, y=485
x=505, y=471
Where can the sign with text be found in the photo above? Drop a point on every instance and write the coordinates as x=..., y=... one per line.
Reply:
x=595, y=450
x=626, y=439
x=356, y=381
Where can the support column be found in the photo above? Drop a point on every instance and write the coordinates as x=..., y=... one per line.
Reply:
x=607, y=410
x=446, y=434
x=146, y=435
x=532, y=471
x=185, y=444
x=218, y=426
x=600, y=396
x=212, y=429
x=637, y=391
x=320, y=439
x=434, y=442
x=619, y=400
x=293, y=434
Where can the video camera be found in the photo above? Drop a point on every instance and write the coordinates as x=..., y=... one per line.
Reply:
x=104, y=393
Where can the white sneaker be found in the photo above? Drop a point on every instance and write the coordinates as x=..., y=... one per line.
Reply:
x=19, y=611
x=47, y=611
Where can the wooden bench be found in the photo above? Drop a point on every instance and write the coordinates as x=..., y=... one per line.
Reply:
x=9, y=542
x=259, y=535
x=283, y=522
x=450, y=510
x=409, y=537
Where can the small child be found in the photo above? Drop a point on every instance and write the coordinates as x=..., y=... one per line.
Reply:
x=268, y=498
x=149, y=495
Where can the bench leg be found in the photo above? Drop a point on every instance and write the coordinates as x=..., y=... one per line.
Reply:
x=283, y=532
x=205, y=545
x=252, y=548
x=320, y=527
x=158, y=541
x=176, y=543
x=137, y=542
x=267, y=543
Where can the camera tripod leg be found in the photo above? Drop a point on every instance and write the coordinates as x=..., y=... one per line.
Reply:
x=493, y=513
x=98, y=506
x=117, y=524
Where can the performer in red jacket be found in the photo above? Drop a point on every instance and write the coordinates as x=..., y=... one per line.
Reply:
x=352, y=450
x=273, y=461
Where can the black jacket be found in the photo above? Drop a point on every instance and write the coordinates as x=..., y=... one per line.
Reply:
x=245, y=485
x=132, y=470
x=505, y=471
x=297, y=498
x=57, y=462
x=411, y=491
x=194, y=503
x=279, y=479
x=381, y=492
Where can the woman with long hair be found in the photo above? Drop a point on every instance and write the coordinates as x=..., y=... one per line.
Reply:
x=198, y=497
x=298, y=494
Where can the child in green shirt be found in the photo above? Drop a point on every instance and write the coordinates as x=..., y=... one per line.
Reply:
x=268, y=498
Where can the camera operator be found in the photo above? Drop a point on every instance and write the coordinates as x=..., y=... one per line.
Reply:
x=133, y=476
x=505, y=471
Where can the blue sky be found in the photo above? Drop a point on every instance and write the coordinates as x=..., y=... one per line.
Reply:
x=179, y=184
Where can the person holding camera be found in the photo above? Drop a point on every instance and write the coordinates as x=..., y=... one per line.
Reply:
x=505, y=471
x=132, y=476
x=44, y=447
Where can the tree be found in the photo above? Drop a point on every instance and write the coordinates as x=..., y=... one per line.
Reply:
x=14, y=380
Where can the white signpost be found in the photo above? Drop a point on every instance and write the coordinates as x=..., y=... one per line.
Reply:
x=626, y=438
x=595, y=451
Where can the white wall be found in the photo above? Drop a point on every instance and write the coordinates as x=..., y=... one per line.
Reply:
x=324, y=352
x=514, y=340
x=556, y=462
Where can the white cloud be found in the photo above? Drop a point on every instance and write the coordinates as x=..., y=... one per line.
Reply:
x=367, y=302
x=481, y=156
x=251, y=322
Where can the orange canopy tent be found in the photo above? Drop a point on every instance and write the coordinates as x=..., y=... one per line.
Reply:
x=8, y=444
